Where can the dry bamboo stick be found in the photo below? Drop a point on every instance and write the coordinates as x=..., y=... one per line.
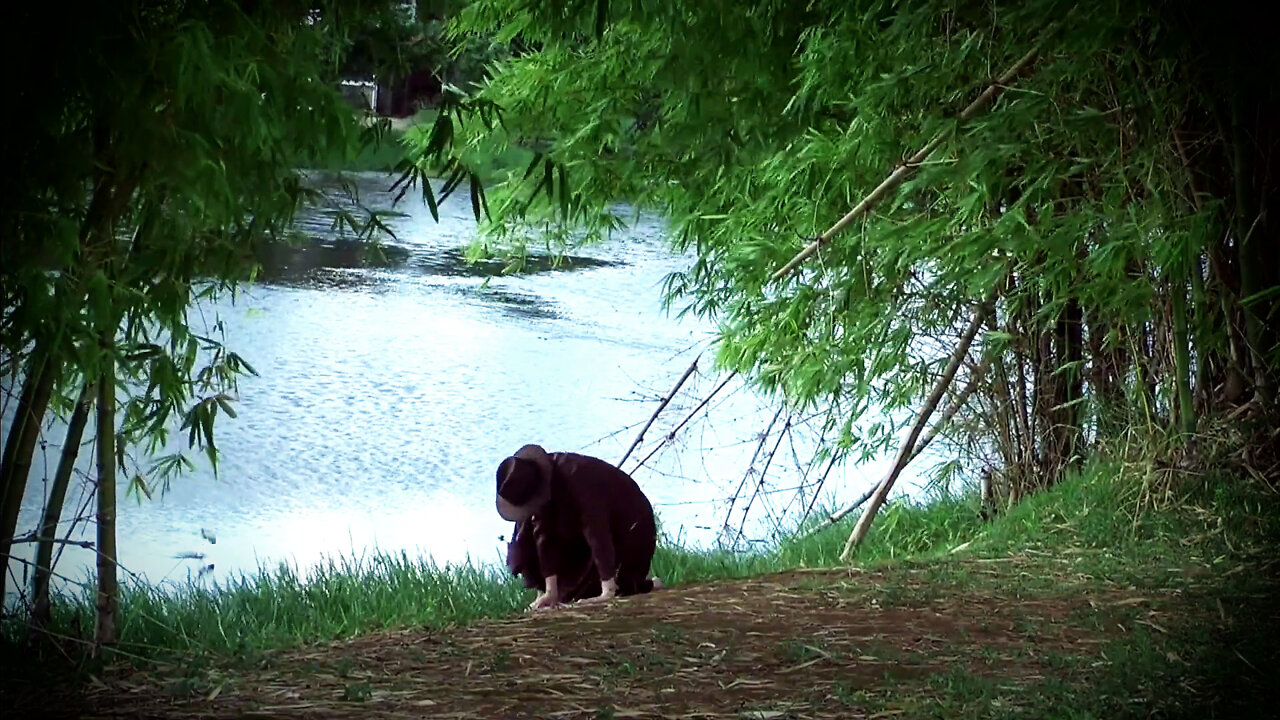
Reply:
x=818, y=489
x=661, y=406
x=909, y=166
x=836, y=517
x=786, y=428
x=682, y=423
x=764, y=437
x=950, y=412
x=908, y=445
x=808, y=469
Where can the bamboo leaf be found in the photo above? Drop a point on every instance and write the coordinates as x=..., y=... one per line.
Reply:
x=224, y=403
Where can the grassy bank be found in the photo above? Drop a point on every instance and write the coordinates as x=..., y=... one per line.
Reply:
x=1093, y=519
x=275, y=608
x=383, y=155
x=1086, y=601
x=364, y=155
x=493, y=160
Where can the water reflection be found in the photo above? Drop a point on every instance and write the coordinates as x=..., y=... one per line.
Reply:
x=290, y=263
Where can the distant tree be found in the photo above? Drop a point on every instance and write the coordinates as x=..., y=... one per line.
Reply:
x=404, y=38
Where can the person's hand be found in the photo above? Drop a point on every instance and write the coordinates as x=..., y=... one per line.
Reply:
x=548, y=598
x=608, y=591
x=544, y=601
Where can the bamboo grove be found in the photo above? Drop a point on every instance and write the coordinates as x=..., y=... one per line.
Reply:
x=1107, y=214
x=153, y=153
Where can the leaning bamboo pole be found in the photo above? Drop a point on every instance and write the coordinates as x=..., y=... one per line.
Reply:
x=937, y=429
x=836, y=517
x=661, y=406
x=975, y=378
x=903, y=171
x=46, y=537
x=906, y=451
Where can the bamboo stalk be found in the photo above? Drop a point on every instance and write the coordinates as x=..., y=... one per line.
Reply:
x=905, y=452
x=40, y=615
x=661, y=406
x=1001, y=407
x=950, y=412
x=20, y=446
x=904, y=170
x=1027, y=450
x=1198, y=295
x=107, y=600
x=1185, y=423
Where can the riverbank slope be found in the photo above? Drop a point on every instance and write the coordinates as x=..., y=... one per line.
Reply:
x=1074, y=604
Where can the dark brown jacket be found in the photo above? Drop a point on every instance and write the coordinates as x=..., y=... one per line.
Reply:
x=598, y=523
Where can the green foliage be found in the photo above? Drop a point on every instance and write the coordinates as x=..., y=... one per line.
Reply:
x=153, y=160
x=754, y=131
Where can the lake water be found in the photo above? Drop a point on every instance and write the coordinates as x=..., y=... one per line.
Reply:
x=387, y=396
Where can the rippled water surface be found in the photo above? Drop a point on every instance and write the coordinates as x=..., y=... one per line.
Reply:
x=391, y=387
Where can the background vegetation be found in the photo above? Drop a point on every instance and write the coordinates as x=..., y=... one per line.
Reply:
x=1105, y=226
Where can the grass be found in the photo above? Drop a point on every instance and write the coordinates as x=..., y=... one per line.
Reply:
x=1083, y=518
x=380, y=154
x=347, y=596
x=493, y=162
x=277, y=608
x=1079, y=540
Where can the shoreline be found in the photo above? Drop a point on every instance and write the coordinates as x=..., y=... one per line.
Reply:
x=346, y=596
x=1068, y=601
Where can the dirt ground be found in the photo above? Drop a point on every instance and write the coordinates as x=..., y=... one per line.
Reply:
x=807, y=644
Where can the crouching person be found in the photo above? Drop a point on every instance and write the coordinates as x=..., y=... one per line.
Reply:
x=577, y=578
x=585, y=530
